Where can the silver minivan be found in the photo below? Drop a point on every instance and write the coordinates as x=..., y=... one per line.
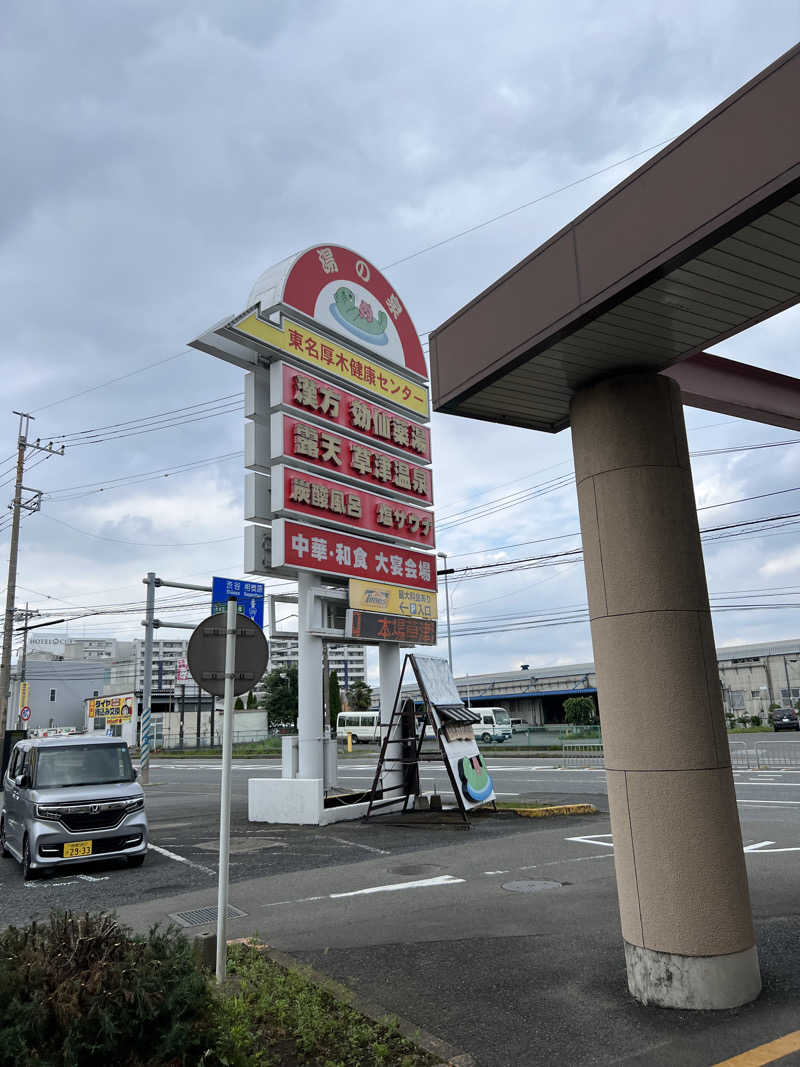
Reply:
x=71, y=799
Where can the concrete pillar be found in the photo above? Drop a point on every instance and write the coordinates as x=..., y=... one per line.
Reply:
x=309, y=681
x=681, y=878
x=390, y=665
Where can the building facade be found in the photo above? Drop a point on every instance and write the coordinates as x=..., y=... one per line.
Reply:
x=752, y=678
x=349, y=660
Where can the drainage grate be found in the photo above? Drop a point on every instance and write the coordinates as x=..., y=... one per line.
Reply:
x=202, y=916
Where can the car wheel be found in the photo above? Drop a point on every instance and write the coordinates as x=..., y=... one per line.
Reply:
x=28, y=872
x=3, y=850
x=136, y=861
x=486, y=738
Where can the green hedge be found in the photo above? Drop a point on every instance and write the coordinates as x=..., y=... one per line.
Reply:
x=85, y=990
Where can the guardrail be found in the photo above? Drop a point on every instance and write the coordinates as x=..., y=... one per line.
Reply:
x=582, y=753
x=740, y=755
x=777, y=754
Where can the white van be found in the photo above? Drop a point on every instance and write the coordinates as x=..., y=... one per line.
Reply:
x=495, y=725
x=363, y=725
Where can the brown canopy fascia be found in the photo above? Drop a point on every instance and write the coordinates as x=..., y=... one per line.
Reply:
x=697, y=245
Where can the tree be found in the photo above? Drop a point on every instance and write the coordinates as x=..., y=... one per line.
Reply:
x=251, y=700
x=580, y=711
x=281, y=696
x=359, y=696
x=334, y=698
x=238, y=705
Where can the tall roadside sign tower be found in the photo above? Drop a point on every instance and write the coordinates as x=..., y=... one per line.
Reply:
x=340, y=492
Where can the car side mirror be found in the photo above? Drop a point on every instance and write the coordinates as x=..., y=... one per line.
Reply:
x=135, y=774
x=22, y=781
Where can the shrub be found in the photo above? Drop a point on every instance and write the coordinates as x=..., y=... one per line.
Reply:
x=579, y=711
x=85, y=990
x=755, y=720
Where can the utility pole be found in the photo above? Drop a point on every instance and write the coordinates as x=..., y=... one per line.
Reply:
x=27, y=615
x=31, y=504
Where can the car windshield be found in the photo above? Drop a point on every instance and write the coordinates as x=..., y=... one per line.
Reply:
x=502, y=717
x=82, y=765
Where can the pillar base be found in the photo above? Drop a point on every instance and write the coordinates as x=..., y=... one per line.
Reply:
x=696, y=983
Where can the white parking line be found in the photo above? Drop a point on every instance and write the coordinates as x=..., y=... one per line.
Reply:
x=425, y=883
x=181, y=859
x=354, y=844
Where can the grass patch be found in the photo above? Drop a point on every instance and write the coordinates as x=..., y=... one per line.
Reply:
x=277, y=1017
x=244, y=750
x=750, y=730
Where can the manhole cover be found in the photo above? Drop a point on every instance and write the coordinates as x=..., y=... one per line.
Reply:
x=414, y=868
x=530, y=886
x=203, y=916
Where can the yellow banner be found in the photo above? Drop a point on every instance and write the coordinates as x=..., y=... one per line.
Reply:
x=311, y=348
x=392, y=599
x=121, y=708
x=24, y=694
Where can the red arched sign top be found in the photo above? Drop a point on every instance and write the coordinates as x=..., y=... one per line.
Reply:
x=345, y=291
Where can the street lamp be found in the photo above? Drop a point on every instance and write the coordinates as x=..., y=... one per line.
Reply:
x=445, y=572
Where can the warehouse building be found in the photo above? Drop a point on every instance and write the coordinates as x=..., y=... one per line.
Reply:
x=752, y=678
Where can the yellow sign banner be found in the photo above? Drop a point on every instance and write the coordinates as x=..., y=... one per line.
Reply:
x=120, y=708
x=392, y=599
x=299, y=342
x=24, y=694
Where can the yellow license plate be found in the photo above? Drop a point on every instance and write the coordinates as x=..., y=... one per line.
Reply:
x=77, y=848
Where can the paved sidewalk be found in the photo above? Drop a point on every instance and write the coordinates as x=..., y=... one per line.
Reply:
x=435, y=936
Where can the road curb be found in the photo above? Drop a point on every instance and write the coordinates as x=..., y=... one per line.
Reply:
x=544, y=813
x=435, y=1046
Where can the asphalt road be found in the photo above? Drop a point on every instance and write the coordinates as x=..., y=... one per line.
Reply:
x=503, y=940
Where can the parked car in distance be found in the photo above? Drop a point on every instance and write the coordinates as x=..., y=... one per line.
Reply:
x=519, y=726
x=71, y=799
x=784, y=719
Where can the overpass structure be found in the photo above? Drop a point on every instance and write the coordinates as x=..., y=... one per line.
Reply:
x=604, y=329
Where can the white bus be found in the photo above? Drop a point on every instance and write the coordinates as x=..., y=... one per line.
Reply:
x=495, y=725
x=363, y=725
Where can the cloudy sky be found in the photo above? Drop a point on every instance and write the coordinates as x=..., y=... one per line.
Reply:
x=159, y=155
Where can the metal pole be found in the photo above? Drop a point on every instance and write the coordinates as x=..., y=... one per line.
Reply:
x=147, y=681
x=11, y=588
x=445, y=572
x=183, y=712
x=225, y=789
x=788, y=683
x=24, y=663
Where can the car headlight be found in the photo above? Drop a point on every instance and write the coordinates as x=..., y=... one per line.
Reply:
x=43, y=812
x=135, y=804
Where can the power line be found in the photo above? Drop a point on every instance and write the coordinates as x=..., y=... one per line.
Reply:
x=146, y=418
x=113, y=381
x=141, y=544
x=521, y=207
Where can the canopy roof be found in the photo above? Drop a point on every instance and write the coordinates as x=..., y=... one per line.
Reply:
x=697, y=245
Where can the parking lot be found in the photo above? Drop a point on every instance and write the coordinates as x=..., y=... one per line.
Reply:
x=517, y=917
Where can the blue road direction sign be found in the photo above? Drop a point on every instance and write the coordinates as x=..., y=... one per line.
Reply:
x=249, y=597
